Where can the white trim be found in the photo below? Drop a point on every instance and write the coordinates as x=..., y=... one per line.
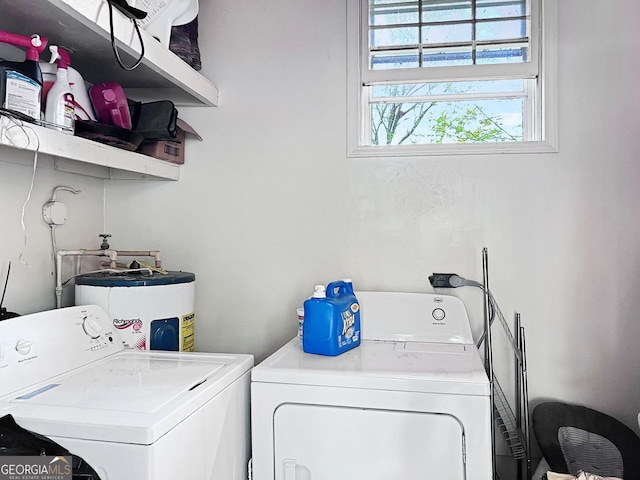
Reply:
x=450, y=98
x=531, y=111
x=549, y=72
x=377, y=151
x=544, y=114
x=366, y=131
x=451, y=74
x=534, y=33
x=355, y=94
x=363, y=34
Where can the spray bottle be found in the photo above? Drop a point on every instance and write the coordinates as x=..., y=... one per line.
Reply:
x=21, y=82
x=60, y=109
x=81, y=101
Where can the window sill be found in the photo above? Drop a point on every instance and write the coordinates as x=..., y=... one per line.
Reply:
x=452, y=149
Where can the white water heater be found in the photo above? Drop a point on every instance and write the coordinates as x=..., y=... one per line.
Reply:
x=151, y=311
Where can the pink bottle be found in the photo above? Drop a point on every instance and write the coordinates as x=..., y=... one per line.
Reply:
x=110, y=104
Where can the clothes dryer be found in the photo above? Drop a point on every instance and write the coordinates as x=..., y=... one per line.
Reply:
x=130, y=414
x=412, y=401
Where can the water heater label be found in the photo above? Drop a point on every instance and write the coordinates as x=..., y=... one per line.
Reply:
x=124, y=323
x=188, y=330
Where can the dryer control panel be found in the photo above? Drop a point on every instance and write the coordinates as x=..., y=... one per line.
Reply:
x=39, y=346
x=414, y=317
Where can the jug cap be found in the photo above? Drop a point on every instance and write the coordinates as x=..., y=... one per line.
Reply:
x=319, y=292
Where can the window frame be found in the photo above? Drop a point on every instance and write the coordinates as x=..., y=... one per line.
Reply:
x=544, y=115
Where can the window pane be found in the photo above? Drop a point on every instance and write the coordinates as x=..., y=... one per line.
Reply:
x=501, y=30
x=390, y=37
x=502, y=54
x=449, y=33
x=500, y=8
x=387, y=2
x=382, y=61
x=453, y=122
x=441, y=10
x=405, y=114
x=447, y=88
x=439, y=57
x=394, y=14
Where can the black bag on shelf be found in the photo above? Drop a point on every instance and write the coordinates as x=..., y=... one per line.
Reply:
x=154, y=120
x=18, y=441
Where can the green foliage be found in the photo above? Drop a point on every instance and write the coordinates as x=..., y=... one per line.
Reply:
x=409, y=122
x=469, y=125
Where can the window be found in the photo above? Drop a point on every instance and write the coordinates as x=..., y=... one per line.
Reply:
x=451, y=76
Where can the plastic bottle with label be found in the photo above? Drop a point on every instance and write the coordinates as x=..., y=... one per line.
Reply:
x=60, y=109
x=318, y=292
x=300, y=312
x=21, y=82
x=331, y=320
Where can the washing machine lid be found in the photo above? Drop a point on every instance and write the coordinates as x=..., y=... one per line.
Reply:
x=132, y=397
x=381, y=365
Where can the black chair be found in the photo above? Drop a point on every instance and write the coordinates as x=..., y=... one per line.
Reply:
x=573, y=438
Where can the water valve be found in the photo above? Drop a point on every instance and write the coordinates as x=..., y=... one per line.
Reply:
x=105, y=244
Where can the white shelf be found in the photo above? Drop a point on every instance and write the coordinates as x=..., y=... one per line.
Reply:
x=84, y=157
x=82, y=27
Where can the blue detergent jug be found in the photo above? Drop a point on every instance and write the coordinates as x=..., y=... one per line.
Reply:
x=332, y=322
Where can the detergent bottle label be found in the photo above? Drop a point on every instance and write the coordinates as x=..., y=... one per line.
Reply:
x=350, y=331
x=22, y=94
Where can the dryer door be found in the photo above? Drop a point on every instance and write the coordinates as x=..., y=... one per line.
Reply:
x=314, y=442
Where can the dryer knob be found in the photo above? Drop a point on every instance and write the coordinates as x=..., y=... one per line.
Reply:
x=91, y=327
x=23, y=346
x=438, y=314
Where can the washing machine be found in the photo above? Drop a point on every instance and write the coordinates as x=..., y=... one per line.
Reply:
x=411, y=402
x=130, y=414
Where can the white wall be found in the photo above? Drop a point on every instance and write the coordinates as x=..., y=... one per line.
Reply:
x=268, y=203
x=260, y=208
x=31, y=284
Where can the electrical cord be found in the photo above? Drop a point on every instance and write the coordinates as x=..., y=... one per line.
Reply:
x=452, y=280
x=24, y=208
x=114, y=45
x=6, y=282
x=4, y=315
x=17, y=119
x=16, y=116
x=54, y=246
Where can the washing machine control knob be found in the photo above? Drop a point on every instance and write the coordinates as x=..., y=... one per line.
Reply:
x=91, y=327
x=23, y=346
x=438, y=314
